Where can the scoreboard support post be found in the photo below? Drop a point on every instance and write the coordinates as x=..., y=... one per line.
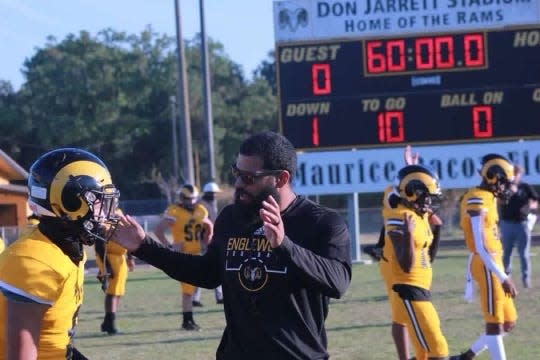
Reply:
x=353, y=218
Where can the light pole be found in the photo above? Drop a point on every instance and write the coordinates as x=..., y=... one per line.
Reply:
x=172, y=104
x=183, y=102
x=207, y=96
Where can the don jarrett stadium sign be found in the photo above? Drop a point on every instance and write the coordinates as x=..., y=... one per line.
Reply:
x=325, y=19
x=371, y=170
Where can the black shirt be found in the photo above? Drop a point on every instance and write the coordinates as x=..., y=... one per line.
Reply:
x=275, y=300
x=517, y=208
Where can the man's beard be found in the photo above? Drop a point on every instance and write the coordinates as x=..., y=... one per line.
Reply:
x=248, y=212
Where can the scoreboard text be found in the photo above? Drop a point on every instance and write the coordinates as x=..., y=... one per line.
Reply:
x=434, y=88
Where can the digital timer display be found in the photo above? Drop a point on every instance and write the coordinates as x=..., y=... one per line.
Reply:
x=429, y=53
x=455, y=87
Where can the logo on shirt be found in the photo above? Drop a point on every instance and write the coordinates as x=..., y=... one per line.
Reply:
x=259, y=231
x=252, y=274
x=252, y=260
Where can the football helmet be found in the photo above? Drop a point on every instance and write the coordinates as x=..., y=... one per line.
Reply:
x=74, y=186
x=497, y=175
x=211, y=187
x=188, y=191
x=418, y=188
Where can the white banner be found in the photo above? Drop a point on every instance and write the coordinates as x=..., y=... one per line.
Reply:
x=296, y=20
x=371, y=170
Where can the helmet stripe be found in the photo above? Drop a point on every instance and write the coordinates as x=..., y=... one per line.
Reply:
x=76, y=168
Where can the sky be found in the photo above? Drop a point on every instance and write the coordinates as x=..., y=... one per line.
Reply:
x=244, y=27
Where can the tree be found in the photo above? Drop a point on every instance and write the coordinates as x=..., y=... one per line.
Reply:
x=268, y=71
x=15, y=128
x=240, y=107
x=109, y=94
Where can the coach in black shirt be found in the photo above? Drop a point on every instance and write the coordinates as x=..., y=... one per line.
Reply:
x=515, y=227
x=279, y=257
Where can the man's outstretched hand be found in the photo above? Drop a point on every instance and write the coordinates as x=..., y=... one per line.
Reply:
x=129, y=233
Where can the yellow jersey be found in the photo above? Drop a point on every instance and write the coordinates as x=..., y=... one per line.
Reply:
x=481, y=200
x=115, y=249
x=420, y=274
x=187, y=228
x=31, y=224
x=35, y=268
x=2, y=245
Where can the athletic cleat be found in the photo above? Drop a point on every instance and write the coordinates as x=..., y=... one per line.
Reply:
x=191, y=326
x=109, y=329
x=196, y=303
x=462, y=356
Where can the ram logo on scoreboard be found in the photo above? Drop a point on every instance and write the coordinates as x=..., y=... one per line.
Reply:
x=317, y=20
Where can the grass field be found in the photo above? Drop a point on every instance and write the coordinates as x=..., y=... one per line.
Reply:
x=358, y=325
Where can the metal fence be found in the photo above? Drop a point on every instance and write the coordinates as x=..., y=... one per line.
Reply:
x=370, y=225
x=148, y=212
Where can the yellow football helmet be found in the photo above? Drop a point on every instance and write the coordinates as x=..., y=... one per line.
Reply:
x=188, y=191
x=418, y=188
x=497, y=175
x=75, y=187
x=188, y=195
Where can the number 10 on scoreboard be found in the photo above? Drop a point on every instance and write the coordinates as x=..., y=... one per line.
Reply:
x=391, y=124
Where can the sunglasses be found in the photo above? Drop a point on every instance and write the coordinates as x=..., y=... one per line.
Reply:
x=249, y=177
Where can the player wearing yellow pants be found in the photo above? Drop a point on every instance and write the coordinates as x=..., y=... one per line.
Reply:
x=496, y=307
x=399, y=320
x=192, y=248
x=383, y=252
x=190, y=228
x=42, y=273
x=113, y=276
x=408, y=229
x=479, y=221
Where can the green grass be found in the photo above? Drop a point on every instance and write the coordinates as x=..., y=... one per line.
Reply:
x=358, y=325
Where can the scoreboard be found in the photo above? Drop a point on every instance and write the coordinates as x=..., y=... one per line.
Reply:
x=451, y=87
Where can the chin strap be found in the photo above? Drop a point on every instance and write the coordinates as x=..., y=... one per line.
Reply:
x=67, y=236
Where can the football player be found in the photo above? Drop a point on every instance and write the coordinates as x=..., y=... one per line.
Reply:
x=479, y=221
x=113, y=263
x=209, y=201
x=41, y=278
x=408, y=229
x=383, y=252
x=191, y=230
x=399, y=323
x=375, y=250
